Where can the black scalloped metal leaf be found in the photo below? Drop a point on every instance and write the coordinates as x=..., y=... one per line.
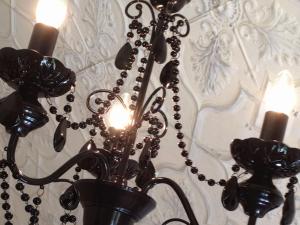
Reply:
x=160, y=48
x=132, y=170
x=69, y=200
x=168, y=74
x=230, y=197
x=60, y=135
x=122, y=58
x=145, y=175
x=288, y=211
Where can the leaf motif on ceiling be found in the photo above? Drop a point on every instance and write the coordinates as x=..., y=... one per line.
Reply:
x=212, y=60
x=274, y=31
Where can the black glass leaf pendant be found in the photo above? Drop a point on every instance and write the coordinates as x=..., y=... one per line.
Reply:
x=168, y=74
x=89, y=146
x=288, y=211
x=230, y=198
x=122, y=59
x=88, y=163
x=145, y=175
x=160, y=48
x=132, y=169
x=60, y=135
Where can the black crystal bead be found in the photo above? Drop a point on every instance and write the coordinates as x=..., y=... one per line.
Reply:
x=180, y=135
x=194, y=170
x=177, y=108
x=8, y=223
x=181, y=144
x=78, y=169
x=6, y=206
x=53, y=110
x=4, y=185
x=294, y=180
x=178, y=126
x=34, y=219
x=124, y=74
x=201, y=177
x=211, y=182
x=120, y=82
x=4, y=196
x=75, y=126
x=3, y=164
x=130, y=35
x=68, y=108
x=72, y=219
x=3, y=175
x=189, y=162
x=177, y=116
x=76, y=177
x=222, y=182
x=20, y=186
x=34, y=212
x=59, y=118
x=64, y=218
x=116, y=90
x=8, y=216
x=82, y=125
x=25, y=197
x=184, y=153
x=28, y=208
x=70, y=98
x=235, y=168
x=37, y=201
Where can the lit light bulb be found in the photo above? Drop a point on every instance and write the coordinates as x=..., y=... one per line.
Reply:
x=120, y=117
x=51, y=12
x=281, y=96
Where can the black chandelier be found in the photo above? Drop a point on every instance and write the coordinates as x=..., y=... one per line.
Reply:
x=108, y=199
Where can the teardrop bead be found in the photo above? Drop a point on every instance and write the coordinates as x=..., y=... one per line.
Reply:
x=168, y=74
x=60, y=135
x=160, y=48
x=122, y=59
x=288, y=211
x=230, y=197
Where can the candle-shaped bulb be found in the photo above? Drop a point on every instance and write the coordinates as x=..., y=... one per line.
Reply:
x=119, y=116
x=281, y=96
x=51, y=12
x=280, y=100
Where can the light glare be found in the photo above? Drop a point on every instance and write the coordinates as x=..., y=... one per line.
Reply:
x=120, y=117
x=51, y=12
x=281, y=96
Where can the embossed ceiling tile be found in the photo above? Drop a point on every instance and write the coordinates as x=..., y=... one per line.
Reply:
x=270, y=37
x=91, y=35
x=22, y=29
x=212, y=59
x=224, y=124
x=26, y=8
x=5, y=22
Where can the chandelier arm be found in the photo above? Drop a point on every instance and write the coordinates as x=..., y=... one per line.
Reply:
x=54, y=177
x=88, y=101
x=182, y=197
x=186, y=23
x=160, y=104
x=166, y=125
x=139, y=9
x=175, y=220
